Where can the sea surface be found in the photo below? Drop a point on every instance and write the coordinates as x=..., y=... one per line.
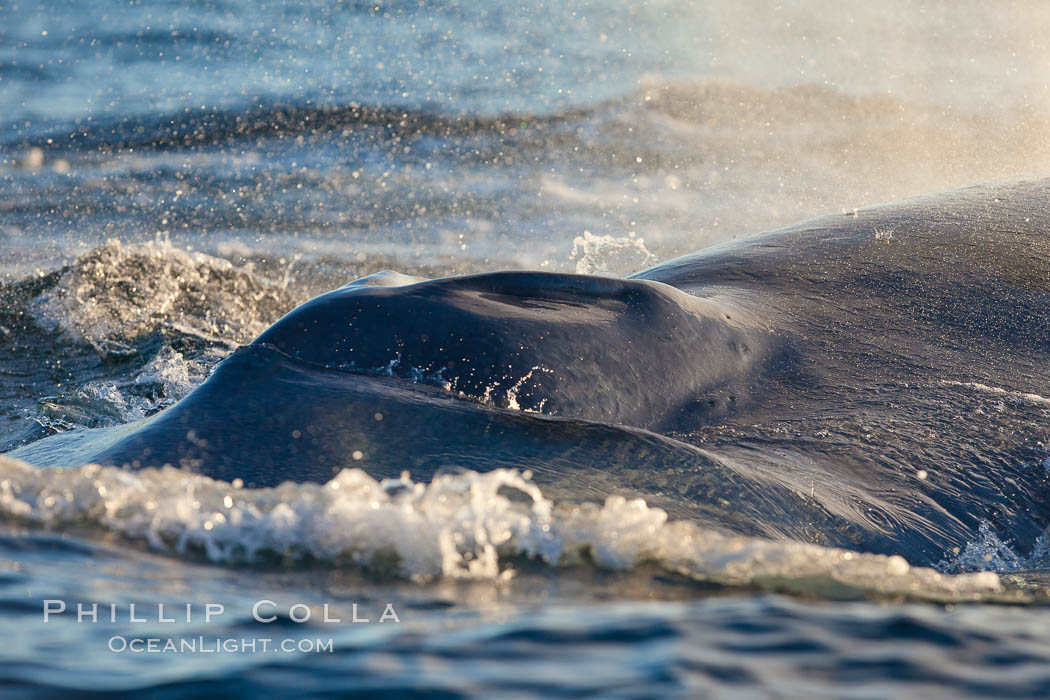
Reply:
x=175, y=176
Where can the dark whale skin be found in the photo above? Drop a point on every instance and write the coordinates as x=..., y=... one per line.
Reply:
x=628, y=352
x=814, y=383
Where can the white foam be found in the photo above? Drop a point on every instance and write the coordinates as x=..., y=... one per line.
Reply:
x=1023, y=397
x=118, y=292
x=463, y=525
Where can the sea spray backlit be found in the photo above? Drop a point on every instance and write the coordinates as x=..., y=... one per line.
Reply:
x=175, y=177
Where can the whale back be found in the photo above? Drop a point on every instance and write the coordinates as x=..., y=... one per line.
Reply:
x=628, y=352
x=956, y=283
x=869, y=381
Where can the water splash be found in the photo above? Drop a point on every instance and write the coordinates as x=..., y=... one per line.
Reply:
x=170, y=376
x=163, y=381
x=610, y=255
x=985, y=553
x=459, y=525
x=119, y=292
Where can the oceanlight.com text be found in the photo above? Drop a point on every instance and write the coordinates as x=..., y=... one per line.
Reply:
x=216, y=645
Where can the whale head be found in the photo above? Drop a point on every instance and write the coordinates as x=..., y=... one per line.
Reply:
x=632, y=352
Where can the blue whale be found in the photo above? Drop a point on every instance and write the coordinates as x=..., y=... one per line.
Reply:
x=838, y=382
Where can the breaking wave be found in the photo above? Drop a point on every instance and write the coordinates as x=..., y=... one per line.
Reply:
x=119, y=292
x=460, y=525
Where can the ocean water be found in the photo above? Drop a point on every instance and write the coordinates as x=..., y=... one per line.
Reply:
x=176, y=176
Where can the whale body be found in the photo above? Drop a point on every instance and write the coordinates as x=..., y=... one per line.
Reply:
x=629, y=352
x=836, y=382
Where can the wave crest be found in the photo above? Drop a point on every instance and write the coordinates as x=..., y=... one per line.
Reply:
x=119, y=292
x=460, y=525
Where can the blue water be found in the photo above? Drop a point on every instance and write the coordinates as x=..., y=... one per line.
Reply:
x=445, y=131
x=98, y=60
x=308, y=143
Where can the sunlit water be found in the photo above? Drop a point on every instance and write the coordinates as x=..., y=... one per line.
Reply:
x=247, y=156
